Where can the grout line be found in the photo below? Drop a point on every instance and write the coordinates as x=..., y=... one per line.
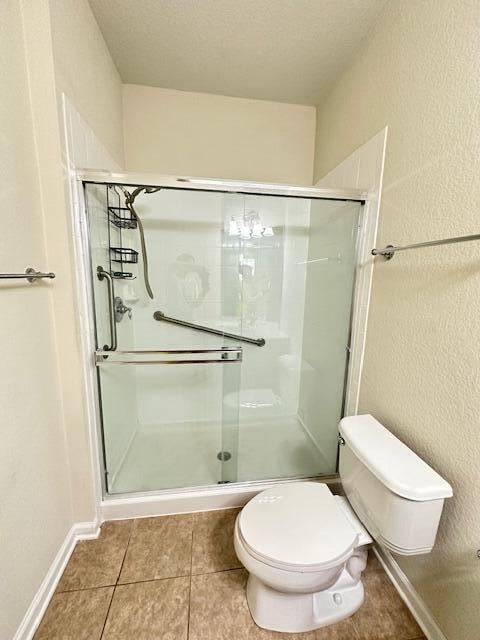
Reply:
x=97, y=586
x=124, y=584
x=108, y=611
x=123, y=562
x=209, y=573
x=183, y=575
x=116, y=582
x=124, y=555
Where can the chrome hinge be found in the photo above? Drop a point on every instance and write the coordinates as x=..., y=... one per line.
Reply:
x=341, y=441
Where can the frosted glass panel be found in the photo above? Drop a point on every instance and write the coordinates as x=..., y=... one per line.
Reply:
x=118, y=403
x=296, y=289
x=330, y=269
x=164, y=426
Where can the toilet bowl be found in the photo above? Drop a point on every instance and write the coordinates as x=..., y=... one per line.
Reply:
x=305, y=549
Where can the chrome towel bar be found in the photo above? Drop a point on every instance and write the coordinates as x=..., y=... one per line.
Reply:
x=161, y=317
x=388, y=251
x=30, y=274
x=212, y=355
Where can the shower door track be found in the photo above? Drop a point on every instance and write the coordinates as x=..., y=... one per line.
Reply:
x=162, y=501
x=330, y=478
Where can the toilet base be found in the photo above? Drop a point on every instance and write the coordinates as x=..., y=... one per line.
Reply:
x=299, y=612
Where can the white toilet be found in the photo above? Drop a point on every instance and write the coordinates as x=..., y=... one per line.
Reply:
x=305, y=549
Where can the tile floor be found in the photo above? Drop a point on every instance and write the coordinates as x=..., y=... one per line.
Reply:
x=177, y=577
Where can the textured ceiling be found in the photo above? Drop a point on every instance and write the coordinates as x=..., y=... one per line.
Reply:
x=282, y=50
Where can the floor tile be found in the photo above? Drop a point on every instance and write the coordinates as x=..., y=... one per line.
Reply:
x=76, y=615
x=384, y=615
x=219, y=611
x=97, y=563
x=149, y=611
x=213, y=541
x=159, y=548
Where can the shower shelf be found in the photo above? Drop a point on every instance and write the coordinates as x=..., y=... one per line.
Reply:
x=123, y=255
x=121, y=217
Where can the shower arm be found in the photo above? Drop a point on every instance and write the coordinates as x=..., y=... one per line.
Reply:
x=161, y=317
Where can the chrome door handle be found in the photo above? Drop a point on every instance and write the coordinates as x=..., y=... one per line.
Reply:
x=102, y=274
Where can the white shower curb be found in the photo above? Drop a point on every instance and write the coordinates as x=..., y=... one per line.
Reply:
x=223, y=496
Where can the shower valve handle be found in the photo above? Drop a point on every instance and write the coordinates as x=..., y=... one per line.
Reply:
x=121, y=309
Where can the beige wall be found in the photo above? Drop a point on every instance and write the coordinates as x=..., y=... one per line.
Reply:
x=198, y=134
x=82, y=68
x=45, y=473
x=35, y=506
x=48, y=31
x=418, y=73
x=85, y=71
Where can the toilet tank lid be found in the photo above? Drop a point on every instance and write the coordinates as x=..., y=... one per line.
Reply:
x=391, y=461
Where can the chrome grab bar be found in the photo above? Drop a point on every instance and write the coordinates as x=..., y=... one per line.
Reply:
x=226, y=355
x=102, y=274
x=161, y=317
x=32, y=275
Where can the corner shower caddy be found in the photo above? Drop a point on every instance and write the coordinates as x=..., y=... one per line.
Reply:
x=122, y=219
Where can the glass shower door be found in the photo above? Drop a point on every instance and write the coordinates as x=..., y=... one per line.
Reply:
x=235, y=370
x=142, y=455
x=169, y=392
x=296, y=261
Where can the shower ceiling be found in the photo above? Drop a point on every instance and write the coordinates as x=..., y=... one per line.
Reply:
x=281, y=50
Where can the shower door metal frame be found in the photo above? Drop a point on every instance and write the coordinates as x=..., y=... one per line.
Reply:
x=224, y=186
x=86, y=300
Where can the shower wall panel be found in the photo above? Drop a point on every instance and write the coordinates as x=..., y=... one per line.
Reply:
x=184, y=237
x=201, y=274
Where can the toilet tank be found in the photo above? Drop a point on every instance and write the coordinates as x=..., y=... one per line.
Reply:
x=396, y=495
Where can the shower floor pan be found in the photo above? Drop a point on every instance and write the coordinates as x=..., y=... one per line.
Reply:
x=169, y=456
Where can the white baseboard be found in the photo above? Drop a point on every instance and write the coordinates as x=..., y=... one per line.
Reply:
x=39, y=604
x=86, y=530
x=409, y=595
x=173, y=502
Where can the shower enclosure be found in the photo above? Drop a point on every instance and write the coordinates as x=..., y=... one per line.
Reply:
x=235, y=369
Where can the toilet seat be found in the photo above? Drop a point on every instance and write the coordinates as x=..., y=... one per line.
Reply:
x=297, y=527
